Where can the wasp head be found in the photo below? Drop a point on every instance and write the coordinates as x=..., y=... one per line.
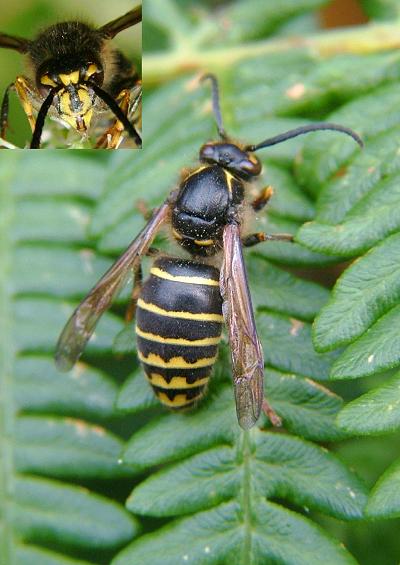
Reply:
x=75, y=98
x=229, y=156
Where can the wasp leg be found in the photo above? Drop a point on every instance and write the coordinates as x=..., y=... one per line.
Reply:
x=143, y=208
x=262, y=199
x=136, y=289
x=112, y=138
x=137, y=286
x=258, y=237
x=25, y=94
x=113, y=135
x=4, y=110
x=271, y=414
x=152, y=252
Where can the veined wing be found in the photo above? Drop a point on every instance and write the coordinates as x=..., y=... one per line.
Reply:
x=83, y=321
x=246, y=351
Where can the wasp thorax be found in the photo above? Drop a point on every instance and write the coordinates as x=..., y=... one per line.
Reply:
x=231, y=157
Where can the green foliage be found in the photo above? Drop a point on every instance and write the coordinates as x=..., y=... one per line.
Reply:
x=381, y=9
x=76, y=447
x=56, y=429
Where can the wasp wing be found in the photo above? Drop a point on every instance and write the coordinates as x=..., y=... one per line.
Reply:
x=246, y=351
x=16, y=43
x=83, y=321
x=110, y=30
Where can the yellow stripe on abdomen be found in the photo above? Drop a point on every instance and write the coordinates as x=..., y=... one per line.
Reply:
x=178, y=401
x=175, y=383
x=178, y=340
x=175, y=362
x=157, y=272
x=202, y=317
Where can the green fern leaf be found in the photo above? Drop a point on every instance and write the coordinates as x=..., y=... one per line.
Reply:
x=54, y=426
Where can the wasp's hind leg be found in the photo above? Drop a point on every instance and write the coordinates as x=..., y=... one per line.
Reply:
x=137, y=286
x=136, y=289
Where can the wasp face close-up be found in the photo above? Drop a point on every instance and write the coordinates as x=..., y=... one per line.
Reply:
x=79, y=78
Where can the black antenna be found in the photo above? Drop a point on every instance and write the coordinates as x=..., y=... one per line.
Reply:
x=215, y=103
x=318, y=126
x=116, y=110
x=45, y=107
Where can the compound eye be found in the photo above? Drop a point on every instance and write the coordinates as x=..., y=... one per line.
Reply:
x=207, y=152
x=251, y=166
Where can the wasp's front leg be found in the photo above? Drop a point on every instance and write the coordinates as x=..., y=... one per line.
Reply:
x=26, y=94
x=112, y=137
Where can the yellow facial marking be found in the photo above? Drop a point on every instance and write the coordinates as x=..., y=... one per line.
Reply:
x=45, y=79
x=84, y=97
x=72, y=78
x=177, y=401
x=65, y=109
x=179, y=341
x=176, y=382
x=92, y=69
x=179, y=278
x=184, y=315
x=88, y=117
x=176, y=362
x=79, y=119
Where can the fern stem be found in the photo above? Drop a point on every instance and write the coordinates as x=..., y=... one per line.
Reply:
x=7, y=410
x=356, y=40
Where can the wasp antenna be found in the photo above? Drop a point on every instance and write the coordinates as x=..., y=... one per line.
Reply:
x=215, y=102
x=16, y=43
x=45, y=107
x=305, y=129
x=116, y=110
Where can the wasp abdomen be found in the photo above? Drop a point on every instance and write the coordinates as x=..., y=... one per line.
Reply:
x=178, y=325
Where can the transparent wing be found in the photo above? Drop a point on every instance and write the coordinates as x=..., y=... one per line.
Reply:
x=246, y=351
x=12, y=42
x=83, y=321
x=131, y=18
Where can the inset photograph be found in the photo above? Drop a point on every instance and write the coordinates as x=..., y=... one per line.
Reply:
x=71, y=76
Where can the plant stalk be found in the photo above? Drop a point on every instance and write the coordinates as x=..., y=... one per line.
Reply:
x=159, y=67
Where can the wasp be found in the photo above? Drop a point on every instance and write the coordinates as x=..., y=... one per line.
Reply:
x=182, y=306
x=76, y=75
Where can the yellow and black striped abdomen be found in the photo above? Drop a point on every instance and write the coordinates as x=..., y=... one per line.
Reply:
x=178, y=327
